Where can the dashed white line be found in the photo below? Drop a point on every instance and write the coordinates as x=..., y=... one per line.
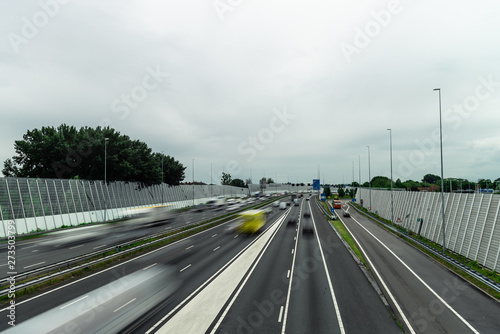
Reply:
x=292, y=250
x=32, y=265
x=99, y=246
x=189, y=265
x=74, y=302
x=118, y=309
x=34, y=251
x=288, y=274
x=281, y=314
x=189, y=247
x=216, y=248
x=214, y=235
x=154, y=264
x=75, y=247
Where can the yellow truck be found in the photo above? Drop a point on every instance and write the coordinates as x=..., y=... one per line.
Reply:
x=251, y=221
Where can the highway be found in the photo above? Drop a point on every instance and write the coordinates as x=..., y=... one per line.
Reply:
x=284, y=281
x=429, y=298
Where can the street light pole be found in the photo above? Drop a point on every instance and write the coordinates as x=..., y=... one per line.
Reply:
x=359, y=169
x=105, y=176
x=392, y=198
x=369, y=179
x=442, y=180
x=162, y=197
x=193, y=182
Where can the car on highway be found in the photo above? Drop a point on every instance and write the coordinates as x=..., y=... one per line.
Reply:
x=283, y=205
x=346, y=214
x=292, y=221
x=307, y=226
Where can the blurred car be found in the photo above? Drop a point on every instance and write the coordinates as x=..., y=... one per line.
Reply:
x=307, y=226
x=346, y=214
x=276, y=203
x=283, y=205
x=292, y=221
x=307, y=214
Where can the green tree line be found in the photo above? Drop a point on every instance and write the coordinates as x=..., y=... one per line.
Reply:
x=67, y=152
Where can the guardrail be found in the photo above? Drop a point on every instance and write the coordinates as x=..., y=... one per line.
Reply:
x=480, y=277
x=83, y=259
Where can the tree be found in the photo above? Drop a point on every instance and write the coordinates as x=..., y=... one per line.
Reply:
x=431, y=178
x=225, y=179
x=327, y=191
x=341, y=192
x=238, y=183
x=248, y=182
x=269, y=180
x=65, y=152
x=381, y=182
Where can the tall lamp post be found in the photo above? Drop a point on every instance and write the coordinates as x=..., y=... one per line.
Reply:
x=193, y=182
x=442, y=180
x=369, y=179
x=392, y=198
x=162, y=198
x=105, y=176
x=359, y=169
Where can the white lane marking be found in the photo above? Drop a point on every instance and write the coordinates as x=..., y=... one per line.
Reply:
x=422, y=281
x=214, y=235
x=235, y=236
x=288, y=274
x=118, y=309
x=267, y=242
x=216, y=248
x=281, y=314
x=189, y=265
x=154, y=264
x=335, y=304
x=372, y=266
x=285, y=315
x=75, y=247
x=97, y=247
x=34, y=251
x=74, y=302
x=189, y=247
x=1, y=265
x=32, y=265
x=292, y=250
x=113, y=267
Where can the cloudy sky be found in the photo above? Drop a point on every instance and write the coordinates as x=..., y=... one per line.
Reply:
x=264, y=88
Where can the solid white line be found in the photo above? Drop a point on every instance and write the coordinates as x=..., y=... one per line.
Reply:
x=118, y=309
x=372, y=266
x=282, y=218
x=285, y=314
x=189, y=265
x=32, y=265
x=423, y=282
x=99, y=246
x=216, y=248
x=281, y=314
x=113, y=267
x=76, y=301
x=335, y=304
x=154, y=264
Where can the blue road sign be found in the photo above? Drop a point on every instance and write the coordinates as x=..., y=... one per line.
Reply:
x=322, y=197
x=316, y=184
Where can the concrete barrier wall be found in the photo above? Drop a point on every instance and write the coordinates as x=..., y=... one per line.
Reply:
x=471, y=220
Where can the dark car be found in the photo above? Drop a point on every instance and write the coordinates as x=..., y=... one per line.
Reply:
x=347, y=214
x=307, y=214
x=292, y=221
x=307, y=226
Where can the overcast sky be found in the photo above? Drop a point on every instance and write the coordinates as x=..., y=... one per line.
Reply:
x=264, y=88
